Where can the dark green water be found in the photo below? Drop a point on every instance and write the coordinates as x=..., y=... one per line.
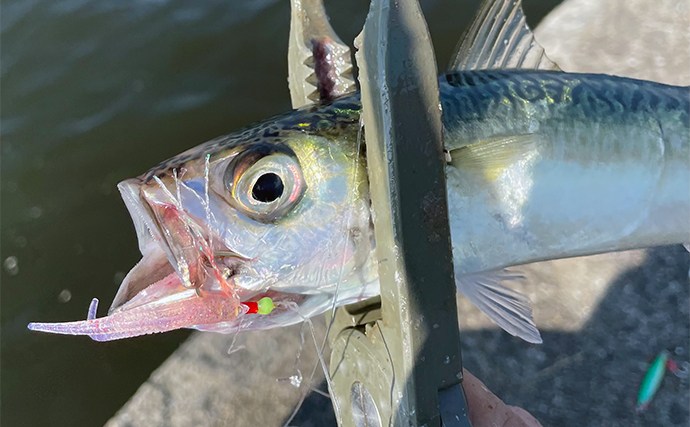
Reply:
x=94, y=92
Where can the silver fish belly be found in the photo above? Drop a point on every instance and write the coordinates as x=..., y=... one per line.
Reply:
x=542, y=165
x=548, y=165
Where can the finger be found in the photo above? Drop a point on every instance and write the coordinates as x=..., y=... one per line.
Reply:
x=526, y=416
x=487, y=410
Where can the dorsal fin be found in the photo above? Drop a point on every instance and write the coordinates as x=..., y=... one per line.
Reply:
x=499, y=38
x=319, y=64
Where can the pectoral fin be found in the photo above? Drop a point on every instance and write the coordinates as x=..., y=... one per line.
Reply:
x=509, y=309
x=494, y=156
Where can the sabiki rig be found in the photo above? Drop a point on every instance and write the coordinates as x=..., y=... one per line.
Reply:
x=541, y=164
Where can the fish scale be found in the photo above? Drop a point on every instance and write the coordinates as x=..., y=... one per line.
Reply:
x=541, y=164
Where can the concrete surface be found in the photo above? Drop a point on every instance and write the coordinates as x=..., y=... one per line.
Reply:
x=202, y=385
x=603, y=318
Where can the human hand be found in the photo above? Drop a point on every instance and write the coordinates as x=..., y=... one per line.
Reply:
x=487, y=410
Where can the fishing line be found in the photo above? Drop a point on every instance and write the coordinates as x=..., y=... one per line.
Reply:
x=182, y=266
x=322, y=393
x=167, y=191
x=232, y=350
x=298, y=358
x=302, y=397
x=235, y=350
x=207, y=204
x=336, y=407
x=204, y=241
x=390, y=358
x=296, y=380
x=177, y=186
x=346, y=237
x=319, y=349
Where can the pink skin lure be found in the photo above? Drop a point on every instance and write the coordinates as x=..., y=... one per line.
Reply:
x=161, y=307
x=170, y=303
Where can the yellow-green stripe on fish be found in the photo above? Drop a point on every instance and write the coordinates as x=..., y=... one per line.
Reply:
x=541, y=164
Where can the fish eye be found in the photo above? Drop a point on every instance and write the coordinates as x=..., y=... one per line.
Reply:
x=268, y=188
x=264, y=183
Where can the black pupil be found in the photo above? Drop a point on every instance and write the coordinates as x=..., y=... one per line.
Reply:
x=268, y=188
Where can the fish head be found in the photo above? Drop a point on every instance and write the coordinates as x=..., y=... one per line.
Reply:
x=271, y=211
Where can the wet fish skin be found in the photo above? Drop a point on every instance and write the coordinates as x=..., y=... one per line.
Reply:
x=607, y=169
x=543, y=165
x=321, y=245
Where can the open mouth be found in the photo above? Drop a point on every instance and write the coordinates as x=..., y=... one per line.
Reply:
x=174, y=242
x=184, y=280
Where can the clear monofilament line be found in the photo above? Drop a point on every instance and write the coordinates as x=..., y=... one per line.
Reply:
x=319, y=349
x=232, y=348
x=182, y=266
x=207, y=200
x=203, y=242
x=336, y=406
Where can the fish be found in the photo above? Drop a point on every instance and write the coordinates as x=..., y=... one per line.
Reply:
x=541, y=164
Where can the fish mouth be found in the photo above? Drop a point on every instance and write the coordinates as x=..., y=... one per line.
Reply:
x=184, y=279
x=171, y=241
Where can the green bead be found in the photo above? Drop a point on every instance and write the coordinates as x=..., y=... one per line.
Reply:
x=265, y=306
